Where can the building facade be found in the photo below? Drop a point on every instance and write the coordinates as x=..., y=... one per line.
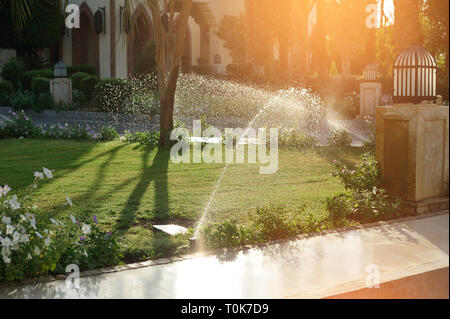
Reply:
x=114, y=50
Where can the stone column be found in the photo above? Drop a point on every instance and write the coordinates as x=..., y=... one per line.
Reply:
x=370, y=97
x=61, y=90
x=412, y=144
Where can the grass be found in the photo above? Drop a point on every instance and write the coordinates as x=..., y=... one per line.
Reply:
x=130, y=187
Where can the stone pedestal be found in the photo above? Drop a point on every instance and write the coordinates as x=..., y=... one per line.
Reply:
x=61, y=89
x=370, y=97
x=412, y=150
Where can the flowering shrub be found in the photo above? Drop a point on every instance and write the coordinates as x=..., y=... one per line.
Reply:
x=364, y=200
x=363, y=177
x=32, y=246
x=144, y=138
x=340, y=138
x=293, y=139
x=108, y=133
x=21, y=126
x=352, y=103
x=339, y=207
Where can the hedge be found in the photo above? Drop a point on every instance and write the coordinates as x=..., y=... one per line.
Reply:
x=77, y=78
x=6, y=89
x=40, y=85
x=112, y=94
x=29, y=75
x=13, y=71
x=85, y=68
x=88, y=85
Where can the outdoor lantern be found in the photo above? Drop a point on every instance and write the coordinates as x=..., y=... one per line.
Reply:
x=414, y=76
x=99, y=20
x=370, y=72
x=60, y=70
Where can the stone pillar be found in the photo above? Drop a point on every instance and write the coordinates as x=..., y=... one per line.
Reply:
x=61, y=90
x=412, y=142
x=370, y=97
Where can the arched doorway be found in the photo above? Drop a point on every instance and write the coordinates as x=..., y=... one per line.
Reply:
x=142, y=33
x=85, y=41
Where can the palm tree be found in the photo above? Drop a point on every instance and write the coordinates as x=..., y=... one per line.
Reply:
x=21, y=11
x=170, y=33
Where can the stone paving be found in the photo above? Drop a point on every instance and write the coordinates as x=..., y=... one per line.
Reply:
x=302, y=268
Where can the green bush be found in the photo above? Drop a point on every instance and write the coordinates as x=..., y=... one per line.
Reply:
x=373, y=205
x=40, y=85
x=44, y=101
x=112, y=95
x=78, y=99
x=338, y=207
x=225, y=234
x=21, y=100
x=6, y=89
x=85, y=68
x=30, y=75
x=296, y=140
x=364, y=176
x=34, y=245
x=88, y=85
x=108, y=133
x=273, y=222
x=366, y=201
x=21, y=126
x=339, y=138
x=13, y=71
x=77, y=78
x=144, y=138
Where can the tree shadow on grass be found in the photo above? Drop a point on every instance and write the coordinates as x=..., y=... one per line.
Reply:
x=156, y=173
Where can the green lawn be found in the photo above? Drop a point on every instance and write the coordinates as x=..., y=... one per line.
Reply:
x=131, y=187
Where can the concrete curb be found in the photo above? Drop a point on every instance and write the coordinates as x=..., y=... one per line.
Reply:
x=174, y=259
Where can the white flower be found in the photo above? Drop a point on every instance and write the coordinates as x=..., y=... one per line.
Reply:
x=4, y=190
x=6, y=242
x=37, y=251
x=39, y=175
x=10, y=229
x=69, y=201
x=5, y=255
x=29, y=257
x=54, y=221
x=24, y=239
x=73, y=219
x=16, y=236
x=48, y=173
x=38, y=234
x=86, y=229
x=6, y=220
x=47, y=241
x=85, y=253
x=14, y=203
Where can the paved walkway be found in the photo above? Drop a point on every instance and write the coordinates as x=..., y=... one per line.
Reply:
x=300, y=268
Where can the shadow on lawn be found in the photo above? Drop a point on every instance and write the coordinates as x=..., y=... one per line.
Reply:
x=156, y=173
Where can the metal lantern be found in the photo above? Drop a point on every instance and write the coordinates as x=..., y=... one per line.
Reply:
x=414, y=76
x=99, y=20
x=60, y=70
x=370, y=72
